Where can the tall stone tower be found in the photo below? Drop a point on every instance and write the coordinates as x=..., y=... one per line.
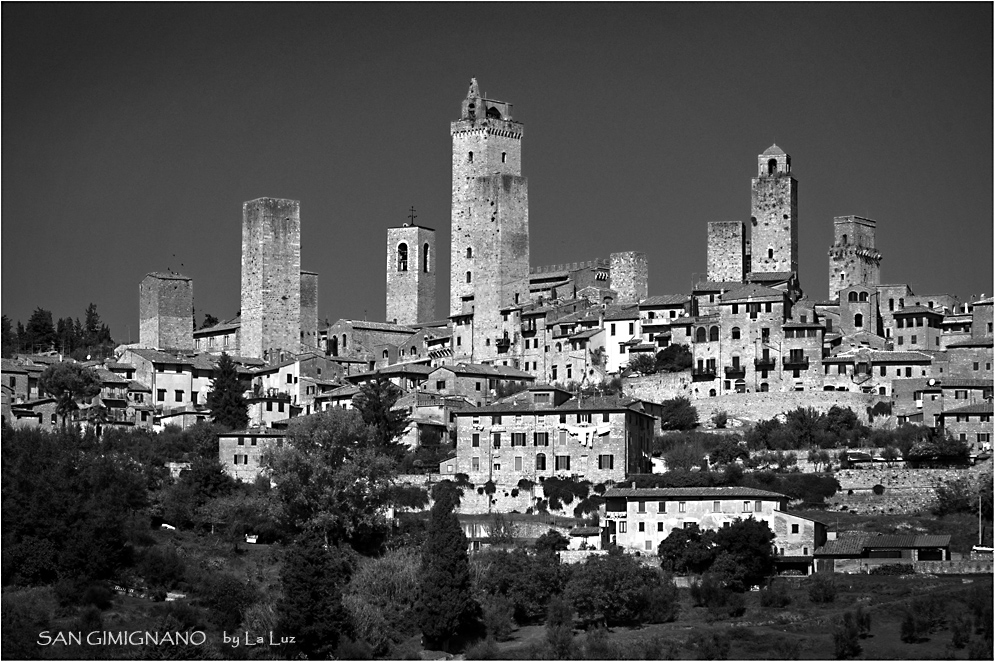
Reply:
x=410, y=274
x=629, y=273
x=271, y=277
x=774, y=219
x=309, y=310
x=490, y=217
x=853, y=259
x=165, y=311
x=726, y=251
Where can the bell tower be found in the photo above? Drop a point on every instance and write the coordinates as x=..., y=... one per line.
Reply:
x=774, y=215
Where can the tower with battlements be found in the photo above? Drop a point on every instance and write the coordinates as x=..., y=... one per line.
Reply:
x=774, y=215
x=271, y=277
x=490, y=218
x=853, y=259
x=410, y=274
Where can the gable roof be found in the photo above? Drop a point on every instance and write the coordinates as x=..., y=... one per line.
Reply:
x=728, y=492
x=977, y=408
x=752, y=291
x=664, y=300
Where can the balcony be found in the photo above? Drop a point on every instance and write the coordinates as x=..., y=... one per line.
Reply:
x=735, y=371
x=529, y=328
x=795, y=363
x=708, y=372
x=502, y=344
x=764, y=363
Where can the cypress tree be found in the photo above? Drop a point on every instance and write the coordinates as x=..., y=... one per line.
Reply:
x=228, y=406
x=446, y=611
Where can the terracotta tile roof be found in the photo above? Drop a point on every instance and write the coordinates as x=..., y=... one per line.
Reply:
x=985, y=341
x=166, y=275
x=964, y=383
x=138, y=386
x=774, y=150
x=769, y=276
x=6, y=365
x=909, y=310
x=380, y=326
x=622, y=313
x=752, y=291
x=715, y=286
x=848, y=543
x=220, y=327
x=978, y=408
x=907, y=541
x=728, y=492
x=664, y=300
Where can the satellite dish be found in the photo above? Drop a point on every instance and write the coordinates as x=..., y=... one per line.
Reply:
x=87, y=357
x=931, y=382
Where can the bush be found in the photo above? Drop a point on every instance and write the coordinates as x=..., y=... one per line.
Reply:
x=161, y=566
x=348, y=649
x=710, y=645
x=846, y=635
x=498, y=617
x=719, y=419
x=484, y=649
x=922, y=617
x=822, y=589
x=878, y=489
x=597, y=646
x=893, y=569
x=960, y=629
x=678, y=414
x=774, y=597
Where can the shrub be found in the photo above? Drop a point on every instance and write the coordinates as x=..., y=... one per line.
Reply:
x=786, y=648
x=774, y=597
x=960, y=629
x=893, y=569
x=161, y=566
x=349, y=649
x=710, y=645
x=719, y=419
x=922, y=617
x=821, y=589
x=484, y=649
x=878, y=489
x=597, y=646
x=678, y=414
x=498, y=617
x=846, y=635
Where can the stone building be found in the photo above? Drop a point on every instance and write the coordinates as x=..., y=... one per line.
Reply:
x=543, y=433
x=629, y=276
x=222, y=337
x=411, y=274
x=774, y=215
x=309, y=310
x=271, y=277
x=165, y=311
x=489, y=254
x=853, y=259
x=241, y=452
x=475, y=382
x=726, y=251
x=361, y=338
x=639, y=519
x=917, y=327
x=971, y=424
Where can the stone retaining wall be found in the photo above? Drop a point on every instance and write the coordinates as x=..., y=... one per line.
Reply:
x=962, y=567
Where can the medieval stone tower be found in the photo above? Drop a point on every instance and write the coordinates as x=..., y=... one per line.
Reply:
x=271, y=277
x=410, y=274
x=853, y=260
x=165, y=311
x=774, y=219
x=309, y=309
x=629, y=276
x=490, y=217
x=726, y=252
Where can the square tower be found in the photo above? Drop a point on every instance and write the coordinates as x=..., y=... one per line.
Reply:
x=165, y=310
x=309, y=310
x=774, y=215
x=853, y=259
x=271, y=277
x=726, y=252
x=410, y=274
x=629, y=276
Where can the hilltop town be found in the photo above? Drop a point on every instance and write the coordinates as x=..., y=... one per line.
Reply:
x=544, y=377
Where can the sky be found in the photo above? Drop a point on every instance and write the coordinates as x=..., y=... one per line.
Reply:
x=133, y=133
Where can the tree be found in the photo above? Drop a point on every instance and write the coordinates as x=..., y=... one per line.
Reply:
x=226, y=399
x=642, y=363
x=685, y=457
x=615, y=589
x=890, y=454
x=381, y=598
x=375, y=402
x=686, y=550
x=40, y=331
x=551, y=542
x=91, y=325
x=314, y=575
x=209, y=321
x=749, y=544
x=332, y=477
x=9, y=340
x=67, y=383
x=446, y=608
x=675, y=358
x=678, y=414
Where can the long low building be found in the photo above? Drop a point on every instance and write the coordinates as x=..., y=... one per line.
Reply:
x=639, y=519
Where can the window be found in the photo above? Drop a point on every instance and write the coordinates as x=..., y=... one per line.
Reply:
x=469, y=278
x=612, y=329
x=469, y=252
x=716, y=506
x=269, y=405
x=540, y=461
x=682, y=506
x=975, y=365
x=241, y=441
x=858, y=319
x=518, y=463
x=469, y=157
x=901, y=340
x=402, y=257
x=640, y=506
x=735, y=309
x=583, y=418
x=517, y=438
x=496, y=419
x=621, y=527
x=563, y=462
x=659, y=526
x=424, y=260
x=475, y=440
x=642, y=527
x=605, y=417
x=631, y=328
x=178, y=395
x=160, y=395
x=913, y=339
x=504, y=157
x=757, y=506
x=541, y=439
x=735, y=333
x=747, y=506
x=606, y=462
x=477, y=385
x=474, y=464
x=713, y=333
x=661, y=506
x=497, y=440
x=794, y=528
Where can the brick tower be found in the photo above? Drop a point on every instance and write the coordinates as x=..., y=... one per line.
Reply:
x=271, y=277
x=410, y=274
x=774, y=219
x=165, y=311
x=490, y=217
x=726, y=251
x=853, y=260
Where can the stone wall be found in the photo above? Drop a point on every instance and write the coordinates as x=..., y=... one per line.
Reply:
x=309, y=309
x=411, y=285
x=774, y=222
x=271, y=276
x=629, y=276
x=165, y=312
x=963, y=567
x=726, y=251
x=906, y=491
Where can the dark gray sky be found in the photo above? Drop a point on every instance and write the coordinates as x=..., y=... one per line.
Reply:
x=133, y=133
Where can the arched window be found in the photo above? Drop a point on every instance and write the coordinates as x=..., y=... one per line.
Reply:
x=735, y=333
x=402, y=257
x=559, y=347
x=901, y=303
x=764, y=387
x=700, y=335
x=413, y=351
x=343, y=341
x=424, y=258
x=469, y=277
x=858, y=320
x=540, y=461
x=504, y=157
x=469, y=252
x=333, y=345
x=852, y=296
x=385, y=353
x=470, y=157
x=713, y=333
x=772, y=166
x=863, y=296
x=711, y=392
